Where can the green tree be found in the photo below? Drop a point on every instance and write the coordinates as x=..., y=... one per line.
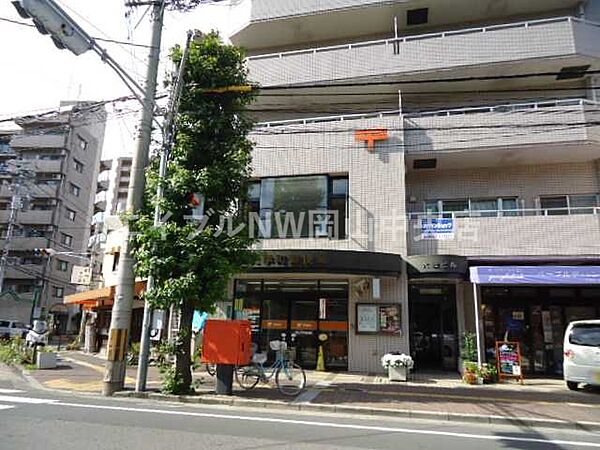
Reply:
x=192, y=264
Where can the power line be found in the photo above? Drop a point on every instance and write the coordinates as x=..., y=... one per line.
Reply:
x=114, y=41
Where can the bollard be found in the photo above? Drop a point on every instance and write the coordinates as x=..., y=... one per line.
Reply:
x=224, y=379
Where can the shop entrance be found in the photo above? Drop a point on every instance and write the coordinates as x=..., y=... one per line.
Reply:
x=315, y=312
x=433, y=327
x=536, y=317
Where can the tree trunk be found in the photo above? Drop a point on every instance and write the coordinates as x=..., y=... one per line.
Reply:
x=183, y=360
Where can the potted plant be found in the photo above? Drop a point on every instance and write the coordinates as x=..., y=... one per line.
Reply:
x=488, y=373
x=397, y=365
x=470, y=372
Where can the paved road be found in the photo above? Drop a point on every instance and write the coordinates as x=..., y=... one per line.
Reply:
x=34, y=419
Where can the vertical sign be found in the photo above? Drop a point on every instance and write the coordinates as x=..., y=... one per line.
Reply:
x=322, y=308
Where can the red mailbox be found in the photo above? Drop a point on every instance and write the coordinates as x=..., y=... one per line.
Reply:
x=227, y=342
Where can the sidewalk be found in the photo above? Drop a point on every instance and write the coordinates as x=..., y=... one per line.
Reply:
x=541, y=402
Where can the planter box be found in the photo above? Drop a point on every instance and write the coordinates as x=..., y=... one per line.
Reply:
x=397, y=373
x=46, y=360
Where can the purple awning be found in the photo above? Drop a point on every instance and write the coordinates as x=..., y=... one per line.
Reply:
x=561, y=275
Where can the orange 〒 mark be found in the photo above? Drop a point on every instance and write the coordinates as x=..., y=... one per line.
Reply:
x=371, y=136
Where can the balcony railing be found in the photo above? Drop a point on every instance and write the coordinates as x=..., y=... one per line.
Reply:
x=544, y=38
x=514, y=124
x=494, y=213
x=531, y=232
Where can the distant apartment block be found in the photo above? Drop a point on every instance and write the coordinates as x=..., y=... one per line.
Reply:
x=58, y=155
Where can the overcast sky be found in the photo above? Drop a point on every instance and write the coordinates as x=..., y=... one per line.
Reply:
x=36, y=76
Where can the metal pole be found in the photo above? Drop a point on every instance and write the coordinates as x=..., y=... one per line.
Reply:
x=114, y=377
x=477, y=324
x=142, y=373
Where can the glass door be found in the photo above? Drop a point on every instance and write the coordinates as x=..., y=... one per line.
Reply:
x=433, y=327
x=303, y=323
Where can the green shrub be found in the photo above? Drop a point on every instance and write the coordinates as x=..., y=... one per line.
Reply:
x=468, y=350
x=13, y=352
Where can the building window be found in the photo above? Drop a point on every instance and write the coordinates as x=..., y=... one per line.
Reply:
x=70, y=214
x=63, y=266
x=74, y=189
x=116, y=257
x=477, y=207
x=417, y=16
x=78, y=166
x=66, y=239
x=82, y=143
x=299, y=207
x=560, y=205
x=58, y=292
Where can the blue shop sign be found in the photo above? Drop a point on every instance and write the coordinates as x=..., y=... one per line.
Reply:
x=554, y=275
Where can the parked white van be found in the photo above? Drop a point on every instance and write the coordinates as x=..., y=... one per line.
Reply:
x=582, y=353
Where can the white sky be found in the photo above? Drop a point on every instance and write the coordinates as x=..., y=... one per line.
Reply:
x=36, y=76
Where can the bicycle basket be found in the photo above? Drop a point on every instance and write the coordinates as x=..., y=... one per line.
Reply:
x=278, y=345
x=288, y=354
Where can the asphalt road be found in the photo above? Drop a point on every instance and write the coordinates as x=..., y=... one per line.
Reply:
x=41, y=419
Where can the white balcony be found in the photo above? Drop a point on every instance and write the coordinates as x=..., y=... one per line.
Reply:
x=499, y=135
x=531, y=233
x=549, y=126
x=559, y=42
x=100, y=200
x=260, y=24
x=38, y=141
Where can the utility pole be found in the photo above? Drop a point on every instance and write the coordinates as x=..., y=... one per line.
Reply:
x=21, y=173
x=15, y=205
x=168, y=138
x=114, y=376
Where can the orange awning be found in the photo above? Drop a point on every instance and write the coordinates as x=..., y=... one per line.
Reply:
x=100, y=297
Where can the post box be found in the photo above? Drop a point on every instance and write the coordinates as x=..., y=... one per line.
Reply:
x=227, y=342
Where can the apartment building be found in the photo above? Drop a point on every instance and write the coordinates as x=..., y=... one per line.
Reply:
x=57, y=156
x=105, y=243
x=442, y=159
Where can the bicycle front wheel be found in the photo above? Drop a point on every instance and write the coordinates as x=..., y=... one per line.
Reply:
x=290, y=379
x=247, y=376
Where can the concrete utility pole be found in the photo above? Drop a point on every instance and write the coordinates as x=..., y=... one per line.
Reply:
x=114, y=376
x=168, y=137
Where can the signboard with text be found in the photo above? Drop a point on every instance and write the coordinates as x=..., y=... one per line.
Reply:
x=81, y=275
x=437, y=229
x=374, y=318
x=508, y=358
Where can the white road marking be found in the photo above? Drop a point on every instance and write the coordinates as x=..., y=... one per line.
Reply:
x=6, y=407
x=332, y=425
x=33, y=401
x=10, y=391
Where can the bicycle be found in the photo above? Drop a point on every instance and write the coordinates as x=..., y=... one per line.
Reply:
x=290, y=377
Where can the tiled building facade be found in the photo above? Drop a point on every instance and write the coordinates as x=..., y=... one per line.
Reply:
x=408, y=116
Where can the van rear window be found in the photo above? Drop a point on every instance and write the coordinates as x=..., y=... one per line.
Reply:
x=588, y=335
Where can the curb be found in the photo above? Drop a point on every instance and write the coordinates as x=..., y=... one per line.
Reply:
x=211, y=399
